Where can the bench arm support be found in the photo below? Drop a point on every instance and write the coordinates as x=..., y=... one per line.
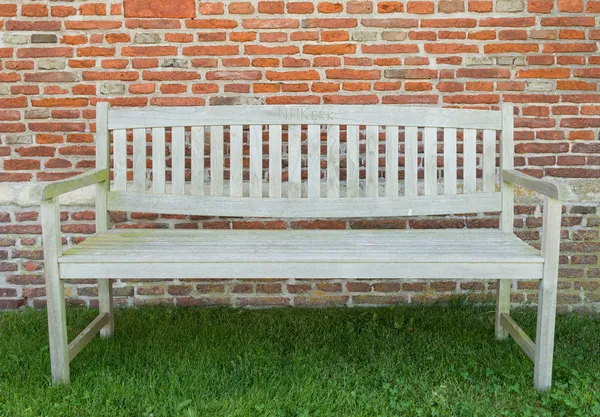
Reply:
x=549, y=189
x=56, y=188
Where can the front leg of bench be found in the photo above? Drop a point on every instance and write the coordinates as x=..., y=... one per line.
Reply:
x=55, y=291
x=544, y=341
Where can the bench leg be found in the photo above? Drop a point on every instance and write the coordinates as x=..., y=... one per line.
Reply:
x=502, y=306
x=105, y=299
x=544, y=340
x=55, y=293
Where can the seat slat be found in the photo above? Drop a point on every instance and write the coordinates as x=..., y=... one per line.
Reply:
x=314, y=161
x=120, y=159
x=178, y=160
x=256, y=161
x=275, y=161
x=197, y=160
x=139, y=160
x=333, y=161
x=449, y=160
x=294, y=161
x=411, y=161
x=216, y=160
x=235, y=161
x=158, y=160
x=391, y=161
x=352, y=161
x=372, y=161
x=470, y=161
x=430, y=160
x=489, y=161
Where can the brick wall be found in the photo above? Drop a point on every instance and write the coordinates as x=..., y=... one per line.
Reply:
x=59, y=58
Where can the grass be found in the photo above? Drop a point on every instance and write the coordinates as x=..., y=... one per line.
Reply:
x=400, y=361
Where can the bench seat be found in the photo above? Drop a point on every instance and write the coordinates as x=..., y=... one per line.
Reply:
x=411, y=254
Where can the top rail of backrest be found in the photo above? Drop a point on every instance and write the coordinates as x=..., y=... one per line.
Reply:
x=368, y=115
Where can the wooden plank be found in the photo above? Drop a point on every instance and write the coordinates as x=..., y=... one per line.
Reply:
x=469, y=161
x=411, y=159
x=102, y=162
x=301, y=270
x=518, y=335
x=549, y=189
x=333, y=161
x=314, y=161
x=275, y=161
x=120, y=159
x=216, y=160
x=55, y=291
x=87, y=335
x=372, y=161
x=294, y=161
x=304, y=207
x=236, y=161
x=430, y=160
x=369, y=115
x=507, y=212
x=158, y=160
x=139, y=160
x=178, y=160
x=57, y=188
x=507, y=152
x=352, y=161
x=391, y=161
x=256, y=161
x=197, y=160
x=544, y=348
x=489, y=161
x=450, y=160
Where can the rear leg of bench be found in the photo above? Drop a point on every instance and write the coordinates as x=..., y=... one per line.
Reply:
x=105, y=300
x=502, y=306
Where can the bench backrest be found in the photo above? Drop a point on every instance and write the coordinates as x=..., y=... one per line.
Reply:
x=304, y=161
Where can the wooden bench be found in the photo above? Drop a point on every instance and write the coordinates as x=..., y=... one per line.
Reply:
x=267, y=162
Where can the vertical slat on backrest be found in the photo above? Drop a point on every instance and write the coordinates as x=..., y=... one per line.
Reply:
x=139, y=160
x=430, y=160
x=102, y=162
x=158, y=160
x=449, y=160
x=391, y=161
x=294, y=161
x=470, y=160
x=352, y=161
x=507, y=161
x=314, y=161
x=411, y=160
x=178, y=160
x=197, y=160
x=274, y=161
x=333, y=161
x=372, y=161
x=256, y=161
x=235, y=160
x=216, y=160
x=489, y=161
x=120, y=159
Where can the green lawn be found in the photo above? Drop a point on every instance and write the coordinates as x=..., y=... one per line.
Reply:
x=401, y=361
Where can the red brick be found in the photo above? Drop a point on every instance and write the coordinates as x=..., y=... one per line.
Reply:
x=160, y=8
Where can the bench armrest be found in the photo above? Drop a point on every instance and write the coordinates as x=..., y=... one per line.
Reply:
x=549, y=189
x=57, y=188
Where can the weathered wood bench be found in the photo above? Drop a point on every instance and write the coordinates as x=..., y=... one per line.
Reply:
x=437, y=162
